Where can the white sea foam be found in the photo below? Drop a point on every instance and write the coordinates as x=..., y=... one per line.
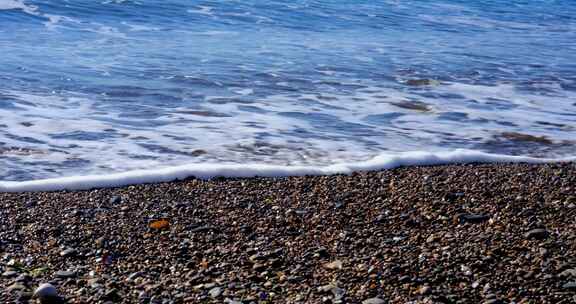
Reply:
x=17, y=4
x=207, y=171
x=29, y=9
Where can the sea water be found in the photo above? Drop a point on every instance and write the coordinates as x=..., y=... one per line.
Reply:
x=102, y=86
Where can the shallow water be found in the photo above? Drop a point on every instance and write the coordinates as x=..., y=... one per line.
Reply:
x=89, y=87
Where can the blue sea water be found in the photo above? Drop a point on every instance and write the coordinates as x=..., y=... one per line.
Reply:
x=105, y=86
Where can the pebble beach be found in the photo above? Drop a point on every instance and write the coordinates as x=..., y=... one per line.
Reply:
x=493, y=233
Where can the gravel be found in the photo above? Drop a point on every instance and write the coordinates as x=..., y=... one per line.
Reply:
x=496, y=233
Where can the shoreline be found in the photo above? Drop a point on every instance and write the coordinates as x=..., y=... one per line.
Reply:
x=493, y=233
x=211, y=170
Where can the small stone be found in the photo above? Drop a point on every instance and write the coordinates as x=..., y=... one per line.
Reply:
x=404, y=279
x=338, y=292
x=10, y=274
x=258, y=267
x=432, y=239
x=46, y=291
x=143, y=295
x=339, y=205
x=569, y=286
x=375, y=300
x=230, y=301
x=257, y=257
x=134, y=275
x=538, y=234
x=424, y=290
x=65, y=274
x=490, y=296
x=335, y=265
x=68, y=252
x=215, y=292
x=201, y=229
x=568, y=273
x=326, y=288
x=16, y=287
x=23, y=278
x=115, y=200
x=470, y=218
x=12, y=262
x=24, y=297
x=111, y=295
x=321, y=253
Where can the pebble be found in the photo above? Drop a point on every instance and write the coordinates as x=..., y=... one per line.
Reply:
x=338, y=292
x=215, y=292
x=424, y=290
x=568, y=273
x=569, y=286
x=321, y=253
x=538, y=234
x=375, y=300
x=258, y=267
x=16, y=287
x=337, y=264
x=134, y=275
x=339, y=205
x=472, y=218
x=65, y=274
x=325, y=288
x=115, y=200
x=201, y=229
x=68, y=252
x=23, y=278
x=10, y=274
x=46, y=291
x=111, y=295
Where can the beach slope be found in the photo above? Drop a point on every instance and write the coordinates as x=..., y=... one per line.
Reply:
x=494, y=233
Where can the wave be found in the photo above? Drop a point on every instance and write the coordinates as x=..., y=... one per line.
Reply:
x=16, y=4
x=30, y=10
x=208, y=171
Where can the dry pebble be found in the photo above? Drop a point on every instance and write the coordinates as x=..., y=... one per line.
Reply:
x=496, y=233
x=538, y=234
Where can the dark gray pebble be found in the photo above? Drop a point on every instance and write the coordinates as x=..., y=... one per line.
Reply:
x=538, y=234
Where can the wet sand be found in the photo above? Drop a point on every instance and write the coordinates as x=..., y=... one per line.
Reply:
x=494, y=233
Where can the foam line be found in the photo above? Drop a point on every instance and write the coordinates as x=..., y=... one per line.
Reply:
x=207, y=171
